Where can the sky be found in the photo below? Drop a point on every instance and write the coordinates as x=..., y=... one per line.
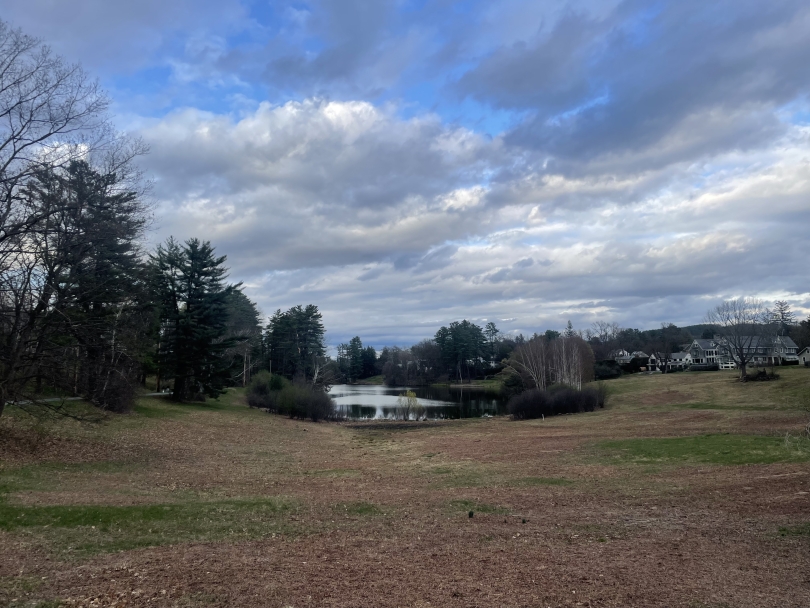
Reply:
x=405, y=164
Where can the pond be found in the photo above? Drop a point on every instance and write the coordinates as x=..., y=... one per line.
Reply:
x=364, y=401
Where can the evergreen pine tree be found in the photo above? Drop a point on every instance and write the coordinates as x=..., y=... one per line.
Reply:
x=194, y=316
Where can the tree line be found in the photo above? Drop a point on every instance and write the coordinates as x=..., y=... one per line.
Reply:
x=85, y=309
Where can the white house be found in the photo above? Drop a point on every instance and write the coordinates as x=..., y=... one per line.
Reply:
x=804, y=356
x=772, y=350
x=681, y=360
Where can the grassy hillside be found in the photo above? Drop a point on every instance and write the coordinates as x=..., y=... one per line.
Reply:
x=687, y=478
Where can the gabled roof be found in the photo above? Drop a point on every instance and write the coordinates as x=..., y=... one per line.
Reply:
x=787, y=341
x=705, y=344
x=754, y=341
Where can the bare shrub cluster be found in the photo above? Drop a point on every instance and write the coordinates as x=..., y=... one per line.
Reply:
x=557, y=400
x=294, y=399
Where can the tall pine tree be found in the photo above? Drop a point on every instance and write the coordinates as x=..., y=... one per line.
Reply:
x=194, y=315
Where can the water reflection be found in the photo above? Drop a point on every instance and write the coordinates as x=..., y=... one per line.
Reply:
x=359, y=401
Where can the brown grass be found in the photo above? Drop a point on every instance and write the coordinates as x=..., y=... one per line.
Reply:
x=380, y=514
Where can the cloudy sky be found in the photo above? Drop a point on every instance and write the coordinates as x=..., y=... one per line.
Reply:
x=403, y=164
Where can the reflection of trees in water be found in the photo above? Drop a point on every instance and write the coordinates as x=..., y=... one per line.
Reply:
x=440, y=402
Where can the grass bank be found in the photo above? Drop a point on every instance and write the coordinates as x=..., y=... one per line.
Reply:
x=683, y=477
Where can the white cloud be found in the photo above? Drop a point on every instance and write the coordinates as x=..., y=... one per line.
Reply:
x=393, y=226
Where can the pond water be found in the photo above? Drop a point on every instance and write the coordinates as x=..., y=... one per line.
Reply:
x=362, y=401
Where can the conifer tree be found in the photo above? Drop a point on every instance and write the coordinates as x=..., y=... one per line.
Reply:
x=194, y=316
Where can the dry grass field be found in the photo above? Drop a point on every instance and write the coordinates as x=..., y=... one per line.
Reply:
x=687, y=490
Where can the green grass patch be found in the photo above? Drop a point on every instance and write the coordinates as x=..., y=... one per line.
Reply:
x=373, y=380
x=333, y=473
x=50, y=476
x=442, y=471
x=800, y=530
x=708, y=449
x=704, y=405
x=477, y=507
x=541, y=481
x=88, y=529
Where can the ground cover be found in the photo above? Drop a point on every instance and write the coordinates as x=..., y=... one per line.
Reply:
x=682, y=492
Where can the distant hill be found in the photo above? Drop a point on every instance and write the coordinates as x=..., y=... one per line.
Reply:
x=697, y=330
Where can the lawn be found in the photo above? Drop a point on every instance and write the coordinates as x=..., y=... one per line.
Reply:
x=689, y=489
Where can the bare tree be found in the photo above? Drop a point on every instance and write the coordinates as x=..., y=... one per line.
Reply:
x=51, y=113
x=663, y=344
x=531, y=358
x=741, y=324
x=562, y=360
x=53, y=121
x=571, y=361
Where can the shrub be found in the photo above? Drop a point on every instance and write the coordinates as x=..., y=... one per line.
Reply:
x=762, y=376
x=634, y=365
x=408, y=405
x=607, y=370
x=558, y=399
x=296, y=400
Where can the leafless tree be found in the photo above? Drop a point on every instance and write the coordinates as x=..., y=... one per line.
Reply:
x=561, y=360
x=53, y=116
x=571, y=361
x=51, y=113
x=663, y=344
x=531, y=358
x=741, y=323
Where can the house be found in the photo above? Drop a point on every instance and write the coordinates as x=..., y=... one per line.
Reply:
x=622, y=357
x=766, y=350
x=776, y=350
x=804, y=357
x=679, y=360
x=711, y=352
x=618, y=354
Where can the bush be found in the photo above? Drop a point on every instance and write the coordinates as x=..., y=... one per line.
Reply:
x=558, y=399
x=408, y=406
x=607, y=370
x=761, y=376
x=634, y=365
x=296, y=400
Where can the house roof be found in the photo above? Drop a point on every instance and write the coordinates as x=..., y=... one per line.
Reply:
x=750, y=341
x=679, y=356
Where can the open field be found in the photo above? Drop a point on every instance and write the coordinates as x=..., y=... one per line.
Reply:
x=688, y=490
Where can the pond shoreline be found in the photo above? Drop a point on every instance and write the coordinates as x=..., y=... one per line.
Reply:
x=363, y=402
